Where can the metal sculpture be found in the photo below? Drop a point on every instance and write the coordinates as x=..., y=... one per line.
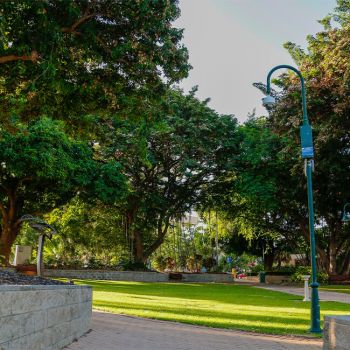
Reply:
x=44, y=230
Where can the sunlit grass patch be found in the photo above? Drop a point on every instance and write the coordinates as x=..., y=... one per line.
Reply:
x=213, y=305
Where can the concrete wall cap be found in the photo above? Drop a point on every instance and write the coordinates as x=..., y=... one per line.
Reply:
x=338, y=319
x=13, y=287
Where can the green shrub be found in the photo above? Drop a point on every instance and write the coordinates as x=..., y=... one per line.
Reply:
x=285, y=269
x=94, y=263
x=257, y=268
x=297, y=276
x=159, y=263
x=282, y=271
x=209, y=263
x=127, y=265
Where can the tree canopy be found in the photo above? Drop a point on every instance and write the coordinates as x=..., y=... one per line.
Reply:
x=76, y=59
x=325, y=68
x=85, y=63
x=170, y=163
x=41, y=168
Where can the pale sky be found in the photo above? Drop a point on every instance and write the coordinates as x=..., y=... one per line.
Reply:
x=234, y=43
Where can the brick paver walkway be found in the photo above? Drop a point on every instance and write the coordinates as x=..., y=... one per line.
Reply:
x=118, y=332
x=324, y=295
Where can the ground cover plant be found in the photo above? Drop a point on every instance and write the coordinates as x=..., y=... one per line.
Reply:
x=213, y=305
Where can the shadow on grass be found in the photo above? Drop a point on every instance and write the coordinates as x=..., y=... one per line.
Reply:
x=232, y=294
x=215, y=305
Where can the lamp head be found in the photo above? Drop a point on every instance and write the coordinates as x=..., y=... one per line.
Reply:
x=346, y=217
x=268, y=101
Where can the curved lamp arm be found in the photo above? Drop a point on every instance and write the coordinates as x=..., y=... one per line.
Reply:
x=345, y=217
x=303, y=89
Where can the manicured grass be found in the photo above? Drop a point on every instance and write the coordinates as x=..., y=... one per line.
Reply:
x=213, y=305
x=339, y=289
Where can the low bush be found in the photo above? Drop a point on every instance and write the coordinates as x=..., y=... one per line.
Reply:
x=282, y=271
x=132, y=266
x=256, y=269
x=301, y=271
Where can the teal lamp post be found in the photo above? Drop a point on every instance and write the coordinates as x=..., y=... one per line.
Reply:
x=346, y=214
x=307, y=153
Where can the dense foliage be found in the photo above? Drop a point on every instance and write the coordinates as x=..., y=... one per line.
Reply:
x=170, y=163
x=86, y=63
x=268, y=203
x=325, y=67
x=41, y=169
x=79, y=60
x=92, y=127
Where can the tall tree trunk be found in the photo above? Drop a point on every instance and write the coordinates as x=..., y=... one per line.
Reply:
x=268, y=260
x=8, y=235
x=139, y=256
x=332, y=253
x=334, y=245
x=322, y=256
x=346, y=270
x=10, y=226
x=140, y=253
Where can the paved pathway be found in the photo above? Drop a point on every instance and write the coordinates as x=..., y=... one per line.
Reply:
x=118, y=332
x=324, y=295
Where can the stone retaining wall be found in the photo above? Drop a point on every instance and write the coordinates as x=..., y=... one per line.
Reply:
x=43, y=317
x=336, y=333
x=277, y=279
x=207, y=277
x=137, y=276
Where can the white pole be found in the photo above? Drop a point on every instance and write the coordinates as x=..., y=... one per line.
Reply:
x=306, y=288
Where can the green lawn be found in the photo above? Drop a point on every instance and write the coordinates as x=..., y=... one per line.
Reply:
x=213, y=305
x=339, y=289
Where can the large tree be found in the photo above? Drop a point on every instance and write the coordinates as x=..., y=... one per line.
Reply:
x=84, y=62
x=256, y=200
x=325, y=66
x=170, y=163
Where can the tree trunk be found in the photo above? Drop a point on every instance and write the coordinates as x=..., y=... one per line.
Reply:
x=10, y=226
x=140, y=253
x=346, y=270
x=332, y=254
x=268, y=260
x=322, y=256
x=139, y=256
x=8, y=235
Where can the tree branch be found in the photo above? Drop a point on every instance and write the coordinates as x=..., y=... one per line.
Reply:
x=160, y=237
x=3, y=210
x=74, y=26
x=33, y=57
